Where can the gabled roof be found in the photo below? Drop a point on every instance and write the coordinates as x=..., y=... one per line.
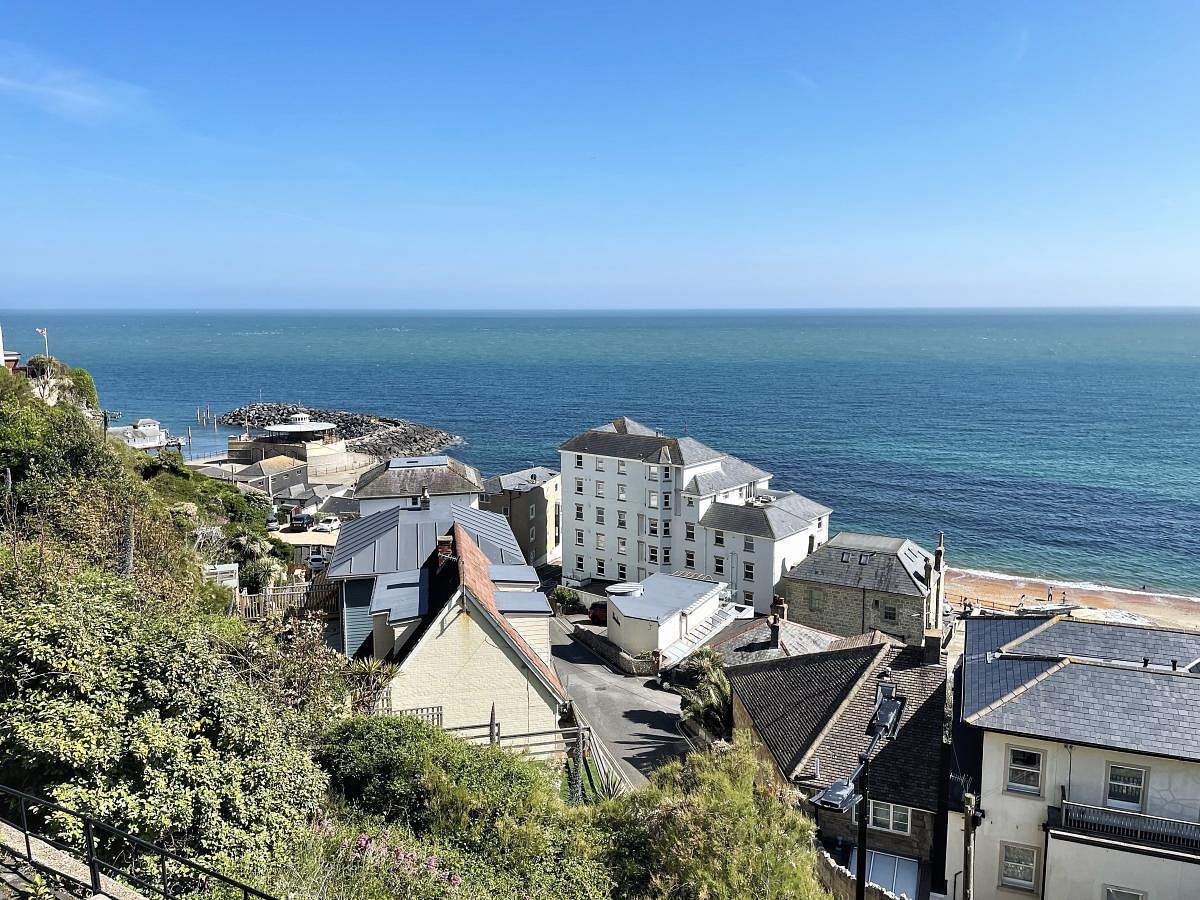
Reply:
x=524, y=480
x=478, y=589
x=787, y=514
x=749, y=641
x=272, y=465
x=409, y=476
x=812, y=712
x=400, y=539
x=627, y=439
x=1084, y=683
x=871, y=561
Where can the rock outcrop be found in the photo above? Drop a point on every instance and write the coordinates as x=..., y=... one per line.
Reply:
x=372, y=435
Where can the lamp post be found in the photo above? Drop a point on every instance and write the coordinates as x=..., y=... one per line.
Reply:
x=845, y=794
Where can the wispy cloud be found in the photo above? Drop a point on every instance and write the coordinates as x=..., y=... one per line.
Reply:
x=77, y=94
x=803, y=81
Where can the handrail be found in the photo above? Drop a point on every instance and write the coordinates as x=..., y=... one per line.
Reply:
x=1108, y=810
x=97, y=864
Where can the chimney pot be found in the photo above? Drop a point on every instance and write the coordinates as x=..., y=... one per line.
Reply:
x=939, y=556
x=779, y=608
x=933, y=647
x=773, y=622
x=1174, y=665
x=445, y=548
x=1145, y=661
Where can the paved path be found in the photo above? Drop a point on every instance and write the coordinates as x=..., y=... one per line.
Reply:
x=636, y=723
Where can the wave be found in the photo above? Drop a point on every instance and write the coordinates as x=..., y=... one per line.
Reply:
x=1071, y=585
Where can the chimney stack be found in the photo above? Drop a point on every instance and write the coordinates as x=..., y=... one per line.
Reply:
x=1174, y=665
x=939, y=555
x=779, y=607
x=929, y=573
x=933, y=647
x=424, y=498
x=445, y=549
x=1145, y=662
x=773, y=622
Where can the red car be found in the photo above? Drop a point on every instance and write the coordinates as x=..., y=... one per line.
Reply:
x=598, y=613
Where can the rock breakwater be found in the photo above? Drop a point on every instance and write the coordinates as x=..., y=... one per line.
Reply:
x=373, y=435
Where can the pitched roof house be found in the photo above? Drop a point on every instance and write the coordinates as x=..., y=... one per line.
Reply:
x=418, y=482
x=1081, y=741
x=809, y=715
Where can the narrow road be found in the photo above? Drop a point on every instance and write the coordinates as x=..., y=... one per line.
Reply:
x=636, y=723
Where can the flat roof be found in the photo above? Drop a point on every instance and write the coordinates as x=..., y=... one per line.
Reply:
x=665, y=595
x=532, y=602
x=295, y=427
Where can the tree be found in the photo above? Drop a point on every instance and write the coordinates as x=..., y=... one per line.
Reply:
x=709, y=827
x=710, y=701
x=135, y=715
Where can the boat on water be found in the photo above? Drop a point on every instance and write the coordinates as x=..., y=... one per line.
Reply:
x=145, y=434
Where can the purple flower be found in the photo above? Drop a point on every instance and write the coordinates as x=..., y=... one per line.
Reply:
x=454, y=880
x=432, y=862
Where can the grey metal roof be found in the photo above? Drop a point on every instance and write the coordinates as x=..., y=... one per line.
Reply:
x=635, y=441
x=663, y=596
x=397, y=540
x=409, y=476
x=509, y=574
x=746, y=642
x=524, y=480
x=528, y=602
x=1085, y=684
x=871, y=561
x=402, y=595
x=787, y=514
x=731, y=473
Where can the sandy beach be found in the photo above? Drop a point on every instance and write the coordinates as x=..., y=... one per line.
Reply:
x=1005, y=592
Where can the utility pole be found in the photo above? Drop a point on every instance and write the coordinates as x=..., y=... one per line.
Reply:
x=969, y=804
x=864, y=813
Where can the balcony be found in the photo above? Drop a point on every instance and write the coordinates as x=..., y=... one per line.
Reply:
x=1125, y=827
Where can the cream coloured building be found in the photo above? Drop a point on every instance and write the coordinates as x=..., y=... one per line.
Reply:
x=531, y=500
x=1081, y=741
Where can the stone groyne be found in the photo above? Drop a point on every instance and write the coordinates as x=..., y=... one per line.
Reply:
x=372, y=435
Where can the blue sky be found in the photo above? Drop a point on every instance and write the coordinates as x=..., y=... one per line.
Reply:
x=657, y=154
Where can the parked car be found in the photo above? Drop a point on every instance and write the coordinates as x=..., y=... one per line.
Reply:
x=598, y=612
x=302, y=522
x=328, y=523
x=272, y=524
x=317, y=562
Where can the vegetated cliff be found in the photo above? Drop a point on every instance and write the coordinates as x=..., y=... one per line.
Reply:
x=373, y=435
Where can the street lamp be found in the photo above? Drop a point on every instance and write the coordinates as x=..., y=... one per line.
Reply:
x=845, y=794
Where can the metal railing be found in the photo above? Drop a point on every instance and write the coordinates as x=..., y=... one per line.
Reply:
x=1133, y=827
x=109, y=853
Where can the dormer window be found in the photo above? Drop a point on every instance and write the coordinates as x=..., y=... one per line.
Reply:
x=846, y=556
x=864, y=558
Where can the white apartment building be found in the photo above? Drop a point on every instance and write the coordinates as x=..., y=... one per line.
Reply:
x=1082, y=742
x=636, y=502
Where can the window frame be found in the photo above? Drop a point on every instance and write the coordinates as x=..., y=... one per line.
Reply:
x=600, y=489
x=578, y=537
x=1018, y=790
x=689, y=559
x=621, y=518
x=622, y=572
x=747, y=543
x=601, y=541
x=578, y=512
x=599, y=515
x=620, y=491
x=1029, y=887
x=890, y=613
x=891, y=812
x=1124, y=805
x=621, y=467
x=718, y=537
x=689, y=531
x=599, y=463
x=600, y=567
x=1111, y=889
x=652, y=499
x=718, y=565
x=622, y=545
x=579, y=488
x=747, y=570
x=652, y=554
x=579, y=460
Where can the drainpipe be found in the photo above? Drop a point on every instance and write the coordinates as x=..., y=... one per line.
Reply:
x=1045, y=857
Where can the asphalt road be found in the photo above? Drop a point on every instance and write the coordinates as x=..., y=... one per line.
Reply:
x=636, y=723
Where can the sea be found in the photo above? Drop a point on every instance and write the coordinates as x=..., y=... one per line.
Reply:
x=1051, y=444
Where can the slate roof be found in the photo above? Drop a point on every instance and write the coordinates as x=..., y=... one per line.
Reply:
x=409, y=476
x=749, y=641
x=1084, y=683
x=473, y=567
x=787, y=514
x=627, y=439
x=812, y=713
x=524, y=480
x=272, y=465
x=871, y=561
x=789, y=701
x=733, y=473
x=397, y=540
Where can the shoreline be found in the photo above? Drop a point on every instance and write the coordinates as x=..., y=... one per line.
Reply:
x=1001, y=591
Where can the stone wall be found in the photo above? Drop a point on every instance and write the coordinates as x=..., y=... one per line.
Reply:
x=842, y=610
x=612, y=654
x=840, y=882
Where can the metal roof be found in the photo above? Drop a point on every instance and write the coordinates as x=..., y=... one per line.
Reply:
x=402, y=595
x=664, y=596
x=400, y=539
x=517, y=574
x=529, y=602
x=524, y=480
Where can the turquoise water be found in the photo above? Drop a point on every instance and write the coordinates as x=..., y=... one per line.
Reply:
x=1058, y=444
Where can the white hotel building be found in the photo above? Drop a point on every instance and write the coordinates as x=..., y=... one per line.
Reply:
x=636, y=502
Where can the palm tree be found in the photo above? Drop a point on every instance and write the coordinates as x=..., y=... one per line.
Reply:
x=710, y=702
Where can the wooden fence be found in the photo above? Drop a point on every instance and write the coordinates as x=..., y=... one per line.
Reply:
x=318, y=595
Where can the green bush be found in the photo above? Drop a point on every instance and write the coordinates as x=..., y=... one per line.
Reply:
x=83, y=388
